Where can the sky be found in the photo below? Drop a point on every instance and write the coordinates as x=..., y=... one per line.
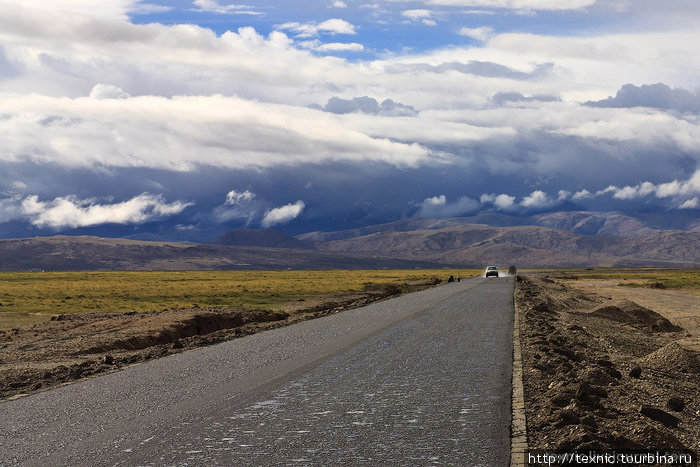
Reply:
x=183, y=119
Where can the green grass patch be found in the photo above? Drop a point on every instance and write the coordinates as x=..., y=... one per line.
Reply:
x=27, y=298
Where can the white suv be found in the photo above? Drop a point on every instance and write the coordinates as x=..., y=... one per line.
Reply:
x=491, y=271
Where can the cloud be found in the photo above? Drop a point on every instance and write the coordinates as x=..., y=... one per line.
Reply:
x=501, y=98
x=331, y=26
x=72, y=212
x=481, y=34
x=110, y=9
x=424, y=16
x=182, y=133
x=368, y=105
x=148, y=9
x=477, y=68
x=582, y=195
x=502, y=202
x=174, y=106
x=238, y=205
x=234, y=198
x=213, y=6
x=283, y=214
x=690, y=204
x=680, y=191
x=339, y=4
x=107, y=91
x=437, y=206
x=538, y=199
x=658, y=96
x=339, y=47
x=515, y=4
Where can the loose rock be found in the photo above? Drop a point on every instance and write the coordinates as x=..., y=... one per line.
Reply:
x=660, y=416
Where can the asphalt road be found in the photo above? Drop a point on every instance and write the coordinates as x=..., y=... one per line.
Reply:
x=423, y=379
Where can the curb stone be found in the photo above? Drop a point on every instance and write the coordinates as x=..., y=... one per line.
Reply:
x=518, y=436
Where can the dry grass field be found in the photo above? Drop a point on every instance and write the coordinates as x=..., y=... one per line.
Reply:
x=33, y=297
x=688, y=279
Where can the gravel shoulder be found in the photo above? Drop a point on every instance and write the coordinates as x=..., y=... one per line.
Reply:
x=609, y=368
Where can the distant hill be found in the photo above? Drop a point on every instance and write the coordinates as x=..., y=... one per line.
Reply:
x=521, y=245
x=564, y=239
x=261, y=238
x=63, y=253
x=595, y=223
x=609, y=224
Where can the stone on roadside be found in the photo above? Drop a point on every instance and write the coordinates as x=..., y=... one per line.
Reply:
x=636, y=372
x=659, y=415
x=676, y=404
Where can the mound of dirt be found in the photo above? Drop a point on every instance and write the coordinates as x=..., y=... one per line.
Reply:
x=579, y=396
x=629, y=312
x=672, y=358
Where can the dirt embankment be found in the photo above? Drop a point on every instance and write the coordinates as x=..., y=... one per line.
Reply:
x=604, y=374
x=76, y=346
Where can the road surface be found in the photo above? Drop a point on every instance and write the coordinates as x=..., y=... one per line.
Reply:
x=422, y=379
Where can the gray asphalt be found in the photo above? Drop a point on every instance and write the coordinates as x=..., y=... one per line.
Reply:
x=422, y=379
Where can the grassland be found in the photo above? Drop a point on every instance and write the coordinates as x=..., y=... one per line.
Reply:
x=670, y=279
x=28, y=298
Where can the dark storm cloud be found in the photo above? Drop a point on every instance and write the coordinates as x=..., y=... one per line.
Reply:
x=657, y=96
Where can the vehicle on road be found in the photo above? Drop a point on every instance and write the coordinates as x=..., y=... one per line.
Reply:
x=491, y=271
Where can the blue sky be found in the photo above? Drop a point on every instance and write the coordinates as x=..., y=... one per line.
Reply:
x=184, y=119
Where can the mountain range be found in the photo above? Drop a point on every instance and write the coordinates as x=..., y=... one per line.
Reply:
x=564, y=239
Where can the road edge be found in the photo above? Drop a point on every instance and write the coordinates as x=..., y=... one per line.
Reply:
x=518, y=434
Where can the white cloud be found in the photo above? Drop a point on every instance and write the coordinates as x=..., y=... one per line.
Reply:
x=437, y=206
x=110, y=9
x=680, y=191
x=72, y=212
x=634, y=192
x=148, y=8
x=185, y=132
x=481, y=34
x=340, y=47
x=339, y=4
x=502, y=202
x=107, y=91
x=234, y=198
x=537, y=200
x=690, y=204
x=673, y=189
x=424, y=16
x=331, y=26
x=417, y=14
x=214, y=6
x=238, y=205
x=283, y=214
x=516, y=4
x=581, y=195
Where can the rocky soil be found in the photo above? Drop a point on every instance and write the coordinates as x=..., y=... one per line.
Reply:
x=602, y=374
